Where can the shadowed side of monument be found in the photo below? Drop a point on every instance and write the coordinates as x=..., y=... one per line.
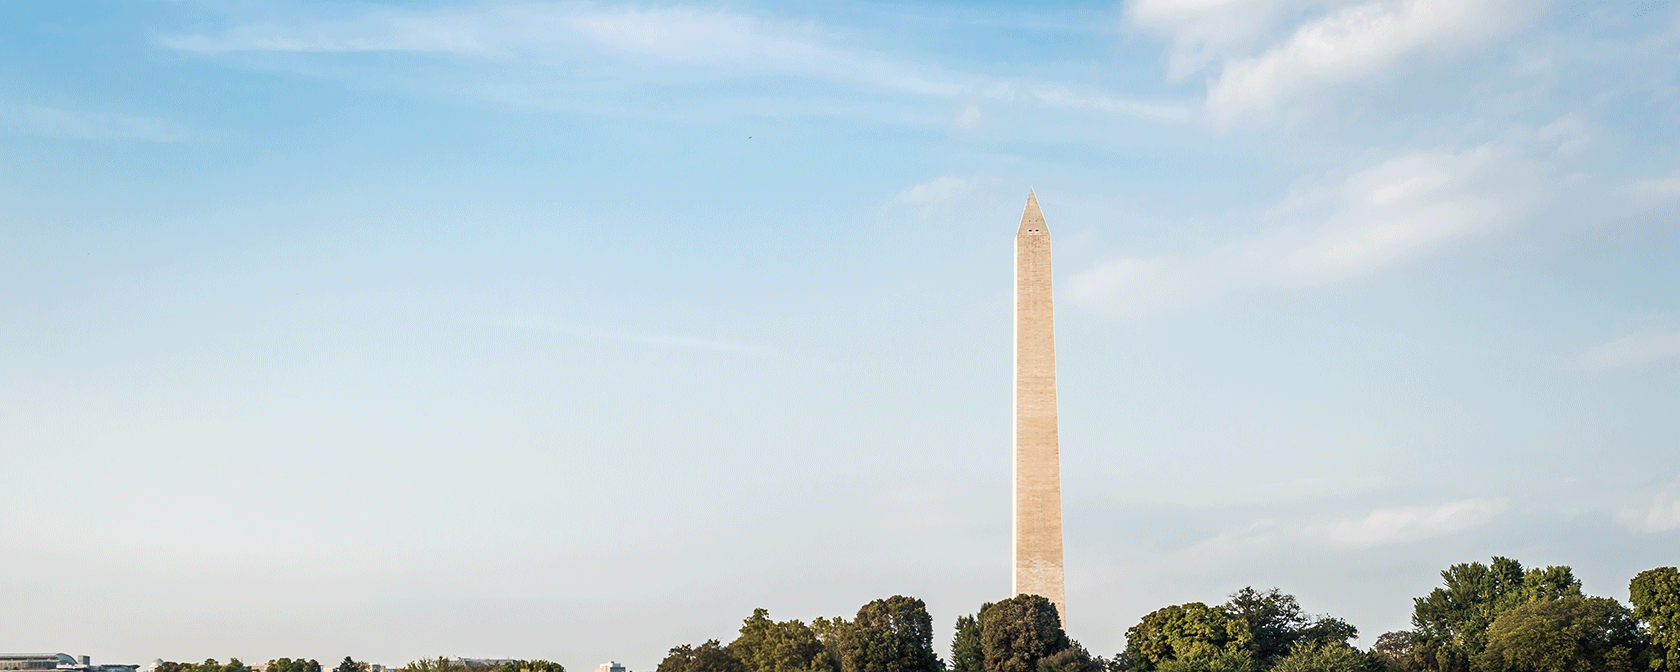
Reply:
x=1038, y=477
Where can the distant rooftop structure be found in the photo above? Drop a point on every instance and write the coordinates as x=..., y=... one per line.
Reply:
x=609, y=666
x=56, y=661
x=483, y=662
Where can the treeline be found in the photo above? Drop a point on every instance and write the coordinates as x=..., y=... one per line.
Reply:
x=1485, y=618
x=276, y=665
x=441, y=664
x=349, y=664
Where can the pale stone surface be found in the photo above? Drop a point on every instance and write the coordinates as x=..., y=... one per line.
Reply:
x=1038, y=474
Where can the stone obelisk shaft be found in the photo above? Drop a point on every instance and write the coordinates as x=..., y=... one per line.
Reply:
x=1038, y=473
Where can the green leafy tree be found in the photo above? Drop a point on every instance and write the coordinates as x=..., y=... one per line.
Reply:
x=1193, y=633
x=1017, y=633
x=1454, y=619
x=289, y=665
x=768, y=646
x=1655, y=595
x=967, y=655
x=832, y=632
x=1325, y=656
x=708, y=657
x=1563, y=635
x=347, y=665
x=1211, y=660
x=1277, y=624
x=439, y=664
x=1405, y=651
x=890, y=635
x=1074, y=658
x=530, y=666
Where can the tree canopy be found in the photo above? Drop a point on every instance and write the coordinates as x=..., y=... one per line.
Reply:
x=967, y=654
x=1188, y=632
x=890, y=635
x=1562, y=635
x=768, y=646
x=1017, y=633
x=289, y=665
x=1454, y=618
x=1074, y=658
x=1655, y=595
x=1325, y=656
x=1277, y=624
x=708, y=657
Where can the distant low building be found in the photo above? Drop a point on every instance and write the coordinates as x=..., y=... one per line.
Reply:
x=609, y=666
x=483, y=662
x=56, y=661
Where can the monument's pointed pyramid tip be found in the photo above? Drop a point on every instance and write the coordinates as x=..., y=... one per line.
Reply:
x=1032, y=219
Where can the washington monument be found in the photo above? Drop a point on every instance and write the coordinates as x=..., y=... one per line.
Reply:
x=1038, y=472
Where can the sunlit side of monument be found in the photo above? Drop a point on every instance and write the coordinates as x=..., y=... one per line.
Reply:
x=1038, y=477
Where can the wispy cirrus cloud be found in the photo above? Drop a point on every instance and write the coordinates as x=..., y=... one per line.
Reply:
x=60, y=123
x=1647, y=347
x=1335, y=228
x=937, y=190
x=1405, y=206
x=1407, y=524
x=1357, y=43
x=1272, y=54
x=1375, y=528
x=576, y=42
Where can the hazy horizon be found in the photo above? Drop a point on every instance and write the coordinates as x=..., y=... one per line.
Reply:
x=577, y=331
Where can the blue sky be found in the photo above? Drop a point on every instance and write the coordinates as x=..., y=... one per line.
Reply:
x=577, y=331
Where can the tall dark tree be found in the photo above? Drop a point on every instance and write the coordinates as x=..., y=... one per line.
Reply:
x=767, y=646
x=351, y=665
x=1563, y=635
x=1452, y=621
x=890, y=635
x=1018, y=632
x=967, y=655
x=833, y=633
x=1277, y=624
x=708, y=657
x=1655, y=594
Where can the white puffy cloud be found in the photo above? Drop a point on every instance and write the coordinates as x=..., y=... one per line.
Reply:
x=1133, y=287
x=1336, y=228
x=1641, y=348
x=938, y=190
x=1203, y=32
x=1268, y=54
x=1656, y=190
x=1360, y=42
x=1380, y=527
x=1407, y=524
x=1661, y=515
x=1405, y=206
